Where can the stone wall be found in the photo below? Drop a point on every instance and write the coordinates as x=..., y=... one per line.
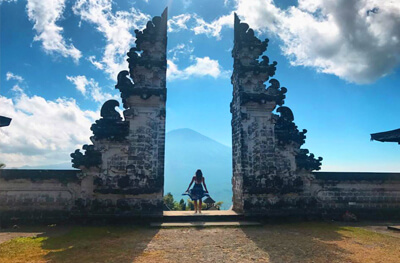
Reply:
x=29, y=195
x=367, y=195
x=39, y=194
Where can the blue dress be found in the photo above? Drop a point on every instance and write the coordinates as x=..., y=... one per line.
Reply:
x=197, y=192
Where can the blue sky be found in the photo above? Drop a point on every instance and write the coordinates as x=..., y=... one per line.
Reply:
x=339, y=61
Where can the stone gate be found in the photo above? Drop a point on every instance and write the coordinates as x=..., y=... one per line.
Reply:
x=126, y=159
x=268, y=165
x=121, y=174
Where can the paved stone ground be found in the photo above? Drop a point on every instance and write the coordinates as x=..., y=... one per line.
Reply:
x=276, y=243
x=279, y=243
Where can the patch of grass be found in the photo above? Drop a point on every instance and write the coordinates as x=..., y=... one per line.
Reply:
x=22, y=249
x=369, y=247
x=79, y=244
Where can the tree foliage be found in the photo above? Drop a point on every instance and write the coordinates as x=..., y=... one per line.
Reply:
x=169, y=201
x=182, y=205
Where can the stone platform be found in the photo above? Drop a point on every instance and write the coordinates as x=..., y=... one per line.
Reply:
x=205, y=224
x=205, y=216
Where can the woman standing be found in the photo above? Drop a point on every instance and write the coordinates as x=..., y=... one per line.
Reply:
x=197, y=192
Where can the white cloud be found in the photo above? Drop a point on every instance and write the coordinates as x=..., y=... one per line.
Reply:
x=358, y=40
x=202, y=67
x=95, y=63
x=80, y=82
x=42, y=131
x=180, y=49
x=16, y=88
x=197, y=24
x=45, y=14
x=12, y=76
x=214, y=28
x=116, y=30
x=179, y=22
x=349, y=39
x=91, y=88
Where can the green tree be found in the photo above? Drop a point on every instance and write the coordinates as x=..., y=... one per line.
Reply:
x=169, y=201
x=2, y=165
x=182, y=205
x=190, y=205
x=218, y=204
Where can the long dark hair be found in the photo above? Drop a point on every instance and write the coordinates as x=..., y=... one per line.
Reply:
x=199, y=176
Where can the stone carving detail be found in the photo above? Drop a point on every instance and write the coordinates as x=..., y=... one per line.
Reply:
x=250, y=73
x=286, y=130
x=306, y=160
x=147, y=63
x=110, y=126
x=91, y=157
x=127, y=89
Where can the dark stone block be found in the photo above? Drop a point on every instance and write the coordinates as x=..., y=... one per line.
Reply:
x=64, y=176
x=356, y=176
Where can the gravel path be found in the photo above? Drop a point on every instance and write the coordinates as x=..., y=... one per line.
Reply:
x=308, y=242
x=202, y=245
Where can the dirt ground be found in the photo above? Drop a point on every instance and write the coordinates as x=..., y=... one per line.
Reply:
x=288, y=242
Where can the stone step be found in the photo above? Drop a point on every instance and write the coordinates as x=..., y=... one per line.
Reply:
x=395, y=228
x=204, y=224
x=205, y=216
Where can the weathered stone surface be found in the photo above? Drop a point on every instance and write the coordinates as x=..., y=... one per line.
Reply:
x=130, y=177
x=367, y=195
x=39, y=194
x=265, y=145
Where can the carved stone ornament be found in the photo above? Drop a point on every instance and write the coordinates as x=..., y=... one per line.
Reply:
x=307, y=161
x=252, y=69
x=286, y=130
x=147, y=63
x=91, y=157
x=110, y=126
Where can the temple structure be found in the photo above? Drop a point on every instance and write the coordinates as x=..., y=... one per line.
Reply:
x=121, y=174
x=126, y=159
x=267, y=159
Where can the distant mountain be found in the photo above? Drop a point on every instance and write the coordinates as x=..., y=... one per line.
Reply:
x=186, y=151
x=58, y=166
